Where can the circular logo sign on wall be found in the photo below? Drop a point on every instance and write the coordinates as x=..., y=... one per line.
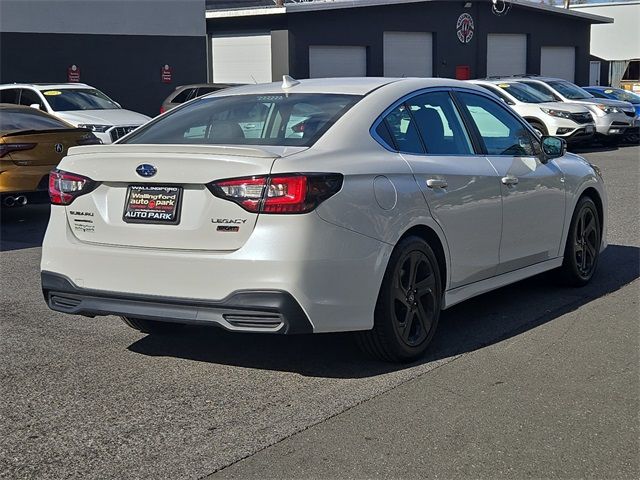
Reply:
x=464, y=28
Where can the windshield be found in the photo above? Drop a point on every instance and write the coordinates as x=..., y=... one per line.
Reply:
x=271, y=119
x=623, y=95
x=570, y=91
x=525, y=93
x=14, y=120
x=65, y=100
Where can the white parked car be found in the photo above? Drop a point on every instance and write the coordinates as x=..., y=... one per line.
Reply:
x=76, y=103
x=612, y=117
x=386, y=202
x=571, y=121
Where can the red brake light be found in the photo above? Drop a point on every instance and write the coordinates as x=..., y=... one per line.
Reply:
x=162, y=110
x=291, y=193
x=64, y=187
x=6, y=148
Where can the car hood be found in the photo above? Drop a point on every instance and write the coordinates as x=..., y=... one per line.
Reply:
x=606, y=101
x=116, y=116
x=566, y=106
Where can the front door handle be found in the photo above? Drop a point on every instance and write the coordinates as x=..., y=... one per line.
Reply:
x=437, y=183
x=509, y=181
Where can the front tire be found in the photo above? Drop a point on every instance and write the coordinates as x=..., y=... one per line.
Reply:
x=582, y=250
x=152, y=326
x=408, y=306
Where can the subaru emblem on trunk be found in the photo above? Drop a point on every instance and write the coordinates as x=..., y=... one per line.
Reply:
x=59, y=148
x=146, y=170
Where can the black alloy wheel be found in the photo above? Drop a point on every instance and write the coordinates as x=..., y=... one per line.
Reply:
x=583, y=244
x=408, y=306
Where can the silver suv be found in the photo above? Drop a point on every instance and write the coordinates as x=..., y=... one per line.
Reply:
x=612, y=117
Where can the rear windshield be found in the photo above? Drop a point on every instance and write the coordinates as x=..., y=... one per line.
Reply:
x=12, y=120
x=64, y=100
x=276, y=119
x=570, y=91
x=525, y=93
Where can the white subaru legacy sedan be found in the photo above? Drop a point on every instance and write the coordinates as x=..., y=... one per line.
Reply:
x=326, y=205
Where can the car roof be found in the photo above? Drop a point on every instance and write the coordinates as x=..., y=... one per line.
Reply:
x=198, y=85
x=45, y=86
x=342, y=85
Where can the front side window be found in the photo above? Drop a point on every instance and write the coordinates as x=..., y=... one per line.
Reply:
x=271, y=119
x=29, y=97
x=69, y=99
x=501, y=132
x=570, y=91
x=439, y=124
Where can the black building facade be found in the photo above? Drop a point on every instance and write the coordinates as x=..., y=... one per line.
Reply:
x=543, y=33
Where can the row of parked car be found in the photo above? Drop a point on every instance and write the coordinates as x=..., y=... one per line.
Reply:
x=40, y=122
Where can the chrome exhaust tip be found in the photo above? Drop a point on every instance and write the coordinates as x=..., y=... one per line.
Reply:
x=10, y=201
x=21, y=200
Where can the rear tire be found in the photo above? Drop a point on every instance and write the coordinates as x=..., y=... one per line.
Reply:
x=408, y=306
x=153, y=326
x=582, y=250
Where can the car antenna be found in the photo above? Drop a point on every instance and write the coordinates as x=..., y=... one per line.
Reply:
x=288, y=82
x=254, y=79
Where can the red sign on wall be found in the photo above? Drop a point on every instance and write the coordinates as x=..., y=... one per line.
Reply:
x=73, y=74
x=463, y=72
x=165, y=74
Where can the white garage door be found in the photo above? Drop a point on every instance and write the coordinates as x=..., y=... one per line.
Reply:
x=337, y=61
x=241, y=59
x=408, y=54
x=506, y=54
x=558, y=62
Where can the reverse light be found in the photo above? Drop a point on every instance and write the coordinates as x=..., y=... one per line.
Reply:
x=279, y=194
x=64, y=187
x=95, y=128
x=556, y=113
x=6, y=148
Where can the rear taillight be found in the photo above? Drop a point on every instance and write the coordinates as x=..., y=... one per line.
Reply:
x=290, y=193
x=90, y=139
x=64, y=187
x=162, y=110
x=6, y=148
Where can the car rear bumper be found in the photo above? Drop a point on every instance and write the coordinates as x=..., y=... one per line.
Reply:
x=17, y=179
x=249, y=311
x=333, y=274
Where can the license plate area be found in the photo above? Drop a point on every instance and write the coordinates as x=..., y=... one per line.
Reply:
x=157, y=204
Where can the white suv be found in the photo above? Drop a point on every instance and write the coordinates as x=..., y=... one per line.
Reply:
x=571, y=121
x=612, y=117
x=76, y=103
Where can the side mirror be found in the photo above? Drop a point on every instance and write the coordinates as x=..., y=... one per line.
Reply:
x=35, y=105
x=553, y=147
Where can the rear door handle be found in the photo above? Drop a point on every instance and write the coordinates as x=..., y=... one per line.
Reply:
x=510, y=181
x=437, y=183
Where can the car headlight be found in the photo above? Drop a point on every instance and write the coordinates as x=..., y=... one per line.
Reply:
x=605, y=109
x=95, y=128
x=557, y=113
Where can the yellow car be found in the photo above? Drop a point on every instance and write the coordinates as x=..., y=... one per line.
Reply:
x=31, y=144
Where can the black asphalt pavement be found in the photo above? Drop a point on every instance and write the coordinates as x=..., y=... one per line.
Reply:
x=530, y=381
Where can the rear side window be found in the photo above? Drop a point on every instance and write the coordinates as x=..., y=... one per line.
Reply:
x=273, y=119
x=402, y=127
x=501, y=132
x=439, y=124
x=9, y=95
x=205, y=90
x=183, y=96
x=12, y=120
